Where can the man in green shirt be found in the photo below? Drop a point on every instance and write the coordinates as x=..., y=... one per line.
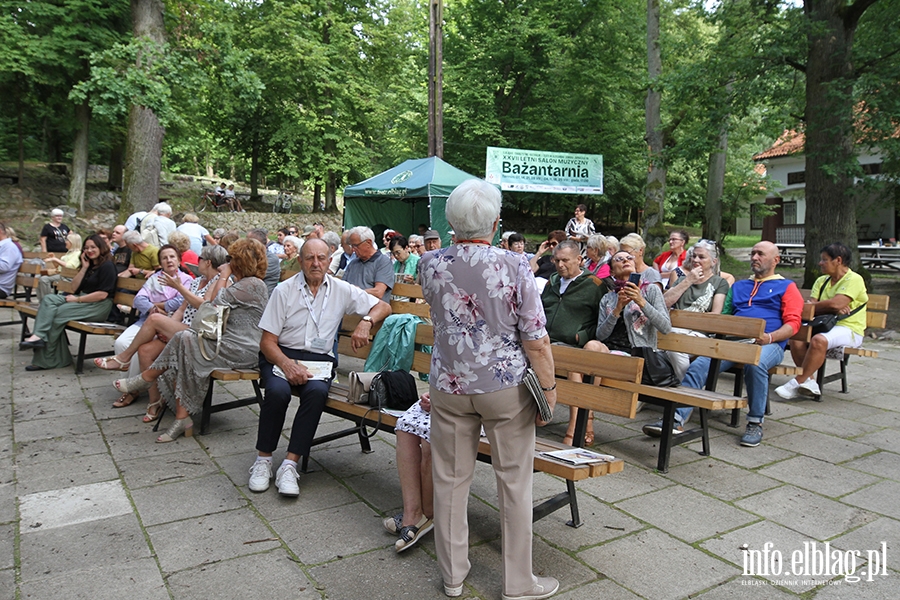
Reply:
x=144, y=257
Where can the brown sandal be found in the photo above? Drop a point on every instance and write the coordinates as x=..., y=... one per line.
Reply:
x=124, y=400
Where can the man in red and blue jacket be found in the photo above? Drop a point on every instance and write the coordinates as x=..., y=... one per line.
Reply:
x=764, y=296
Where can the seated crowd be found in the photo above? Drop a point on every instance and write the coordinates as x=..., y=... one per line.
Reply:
x=286, y=298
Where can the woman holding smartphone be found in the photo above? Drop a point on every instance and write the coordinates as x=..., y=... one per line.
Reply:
x=630, y=317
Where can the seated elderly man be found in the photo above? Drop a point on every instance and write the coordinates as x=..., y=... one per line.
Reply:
x=369, y=269
x=571, y=302
x=10, y=261
x=298, y=329
x=144, y=256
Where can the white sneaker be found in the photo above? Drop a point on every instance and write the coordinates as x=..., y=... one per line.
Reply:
x=544, y=588
x=286, y=481
x=260, y=474
x=788, y=391
x=810, y=387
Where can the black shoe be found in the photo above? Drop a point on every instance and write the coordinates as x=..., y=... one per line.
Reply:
x=33, y=368
x=35, y=344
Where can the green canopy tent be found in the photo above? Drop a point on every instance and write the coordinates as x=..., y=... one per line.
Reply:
x=401, y=198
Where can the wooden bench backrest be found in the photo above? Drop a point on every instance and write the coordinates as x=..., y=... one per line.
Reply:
x=40, y=255
x=126, y=287
x=739, y=352
x=27, y=275
x=729, y=325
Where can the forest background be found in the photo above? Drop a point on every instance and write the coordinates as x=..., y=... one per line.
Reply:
x=677, y=96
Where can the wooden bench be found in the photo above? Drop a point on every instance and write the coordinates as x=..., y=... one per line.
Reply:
x=126, y=289
x=27, y=279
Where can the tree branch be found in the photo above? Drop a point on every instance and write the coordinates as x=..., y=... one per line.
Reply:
x=797, y=65
x=852, y=13
x=871, y=63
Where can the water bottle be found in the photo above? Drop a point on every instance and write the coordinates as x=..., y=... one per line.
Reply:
x=880, y=243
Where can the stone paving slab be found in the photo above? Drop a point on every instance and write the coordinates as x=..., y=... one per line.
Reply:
x=818, y=476
x=881, y=464
x=184, y=499
x=267, y=575
x=211, y=538
x=806, y=512
x=655, y=565
x=705, y=518
x=78, y=504
x=74, y=471
x=135, y=580
x=720, y=479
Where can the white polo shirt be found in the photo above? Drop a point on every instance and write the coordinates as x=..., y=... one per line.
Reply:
x=300, y=319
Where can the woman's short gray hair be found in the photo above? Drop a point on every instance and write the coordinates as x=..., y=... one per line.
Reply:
x=506, y=234
x=216, y=255
x=294, y=241
x=713, y=251
x=597, y=242
x=473, y=208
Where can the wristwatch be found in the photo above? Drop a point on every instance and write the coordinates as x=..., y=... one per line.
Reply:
x=368, y=319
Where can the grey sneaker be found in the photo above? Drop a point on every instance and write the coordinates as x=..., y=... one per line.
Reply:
x=544, y=588
x=655, y=429
x=753, y=436
x=286, y=481
x=260, y=474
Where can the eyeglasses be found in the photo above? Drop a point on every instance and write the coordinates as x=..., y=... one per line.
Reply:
x=354, y=246
x=623, y=258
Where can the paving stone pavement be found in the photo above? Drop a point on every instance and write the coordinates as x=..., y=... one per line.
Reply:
x=91, y=507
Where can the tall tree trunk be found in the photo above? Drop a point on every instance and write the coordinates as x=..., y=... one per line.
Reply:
x=331, y=192
x=831, y=162
x=317, y=194
x=715, y=186
x=116, y=165
x=143, y=150
x=654, y=231
x=254, y=167
x=80, y=153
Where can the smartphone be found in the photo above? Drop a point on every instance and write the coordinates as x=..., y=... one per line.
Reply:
x=635, y=278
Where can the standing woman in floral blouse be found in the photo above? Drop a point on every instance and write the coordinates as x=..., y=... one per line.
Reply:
x=489, y=324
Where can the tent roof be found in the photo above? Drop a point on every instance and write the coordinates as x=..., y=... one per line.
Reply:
x=417, y=177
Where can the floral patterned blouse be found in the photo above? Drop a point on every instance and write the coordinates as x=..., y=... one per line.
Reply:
x=484, y=302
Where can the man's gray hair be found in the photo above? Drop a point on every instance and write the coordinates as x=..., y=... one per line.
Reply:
x=364, y=234
x=473, y=208
x=259, y=234
x=332, y=239
x=132, y=237
x=570, y=244
x=163, y=209
x=216, y=255
x=415, y=239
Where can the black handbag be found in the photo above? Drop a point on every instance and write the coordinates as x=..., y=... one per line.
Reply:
x=658, y=370
x=825, y=323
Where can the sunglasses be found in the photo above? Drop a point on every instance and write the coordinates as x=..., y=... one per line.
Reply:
x=623, y=258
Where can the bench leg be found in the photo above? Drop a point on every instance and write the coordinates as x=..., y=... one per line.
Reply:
x=25, y=332
x=573, y=504
x=207, y=405
x=738, y=390
x=844, y=384
x=581, y=419
x=820, y=379
x=79, y=360
x=162, y=412
x=665, y=442
x=704, y=425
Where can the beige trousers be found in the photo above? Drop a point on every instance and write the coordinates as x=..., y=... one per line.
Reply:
x=508, y=419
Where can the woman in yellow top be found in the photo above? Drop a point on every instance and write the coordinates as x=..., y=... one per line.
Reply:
x=71, y=260
x=840, y=292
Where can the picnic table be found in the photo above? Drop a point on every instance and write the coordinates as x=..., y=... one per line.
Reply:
x=792, y=254
x=873, y=256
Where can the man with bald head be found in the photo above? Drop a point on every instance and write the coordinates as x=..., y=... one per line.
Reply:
x=298, y=327
x=764, y=296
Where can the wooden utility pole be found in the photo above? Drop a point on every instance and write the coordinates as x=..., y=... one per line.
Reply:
x=436, y=78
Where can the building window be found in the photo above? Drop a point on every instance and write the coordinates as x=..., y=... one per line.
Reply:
x=872, y=169
x=796, y=177
x=789, y=213
x=756, y=216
